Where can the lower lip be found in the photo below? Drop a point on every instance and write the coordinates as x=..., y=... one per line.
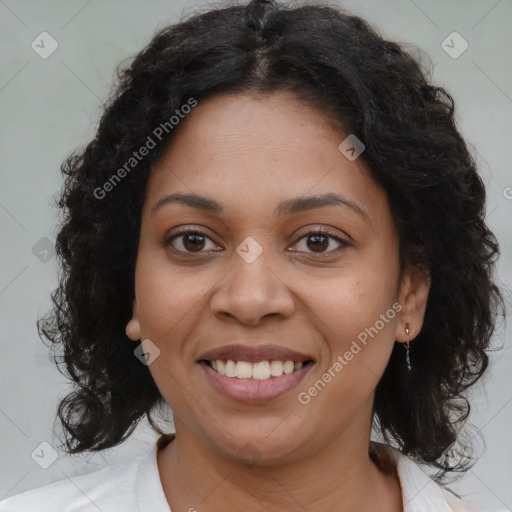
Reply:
x=253, y=391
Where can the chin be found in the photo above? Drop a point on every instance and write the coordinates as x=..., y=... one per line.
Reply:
x=261, y=448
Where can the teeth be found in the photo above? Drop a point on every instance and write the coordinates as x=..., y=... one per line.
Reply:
x=276, y=368
x=261, y=370
x=243, y=370
x=230, y=368
x=288, y=367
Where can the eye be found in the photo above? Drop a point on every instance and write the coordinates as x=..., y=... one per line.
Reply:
x=319, y=240
x=189, y=241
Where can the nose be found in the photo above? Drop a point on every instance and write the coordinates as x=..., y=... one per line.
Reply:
x=250, y=292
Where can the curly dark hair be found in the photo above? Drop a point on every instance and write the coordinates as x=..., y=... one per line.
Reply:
x=371, y=87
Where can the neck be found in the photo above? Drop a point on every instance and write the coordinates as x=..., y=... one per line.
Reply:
x=196, y=475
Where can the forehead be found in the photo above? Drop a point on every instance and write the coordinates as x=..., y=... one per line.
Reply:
x=252, y=152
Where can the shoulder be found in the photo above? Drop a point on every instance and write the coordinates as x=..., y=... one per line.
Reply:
x=420, y=492
x=98, y=490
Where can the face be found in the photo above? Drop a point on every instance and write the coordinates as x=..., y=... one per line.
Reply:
x=261, y=268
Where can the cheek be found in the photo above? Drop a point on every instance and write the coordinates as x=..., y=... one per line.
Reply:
x=357, y=316
x=167, y=299
x=358, y=294
x=358, y=325
x=362, y=317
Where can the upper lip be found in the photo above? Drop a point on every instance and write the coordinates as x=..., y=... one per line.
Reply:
x=254, y=353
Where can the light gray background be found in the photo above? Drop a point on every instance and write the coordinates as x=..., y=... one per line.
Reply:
x=51, y=106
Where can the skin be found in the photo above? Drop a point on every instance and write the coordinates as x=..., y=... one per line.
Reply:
x=250, y=153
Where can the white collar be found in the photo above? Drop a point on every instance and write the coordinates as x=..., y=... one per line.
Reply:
x=420, y=493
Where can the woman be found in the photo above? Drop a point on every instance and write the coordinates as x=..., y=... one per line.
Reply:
x=279, y=232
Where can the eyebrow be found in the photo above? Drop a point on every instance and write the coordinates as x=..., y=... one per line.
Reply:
x=288, y=207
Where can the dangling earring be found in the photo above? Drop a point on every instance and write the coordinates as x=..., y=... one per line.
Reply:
x=407, y=352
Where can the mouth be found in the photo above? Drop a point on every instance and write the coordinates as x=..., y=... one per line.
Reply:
x=254, y=382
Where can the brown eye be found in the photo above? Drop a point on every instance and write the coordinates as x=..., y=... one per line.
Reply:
x=318, y=241
x=191, y=241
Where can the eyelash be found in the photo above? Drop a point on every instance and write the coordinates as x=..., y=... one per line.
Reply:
x=317, y=231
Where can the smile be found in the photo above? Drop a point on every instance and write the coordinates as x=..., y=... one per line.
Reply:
x=257, y=382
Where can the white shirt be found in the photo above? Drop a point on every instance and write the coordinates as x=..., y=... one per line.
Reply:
x=136, y=487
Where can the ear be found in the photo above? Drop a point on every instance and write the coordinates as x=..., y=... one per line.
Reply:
x=133, y=327
x=413, y=296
